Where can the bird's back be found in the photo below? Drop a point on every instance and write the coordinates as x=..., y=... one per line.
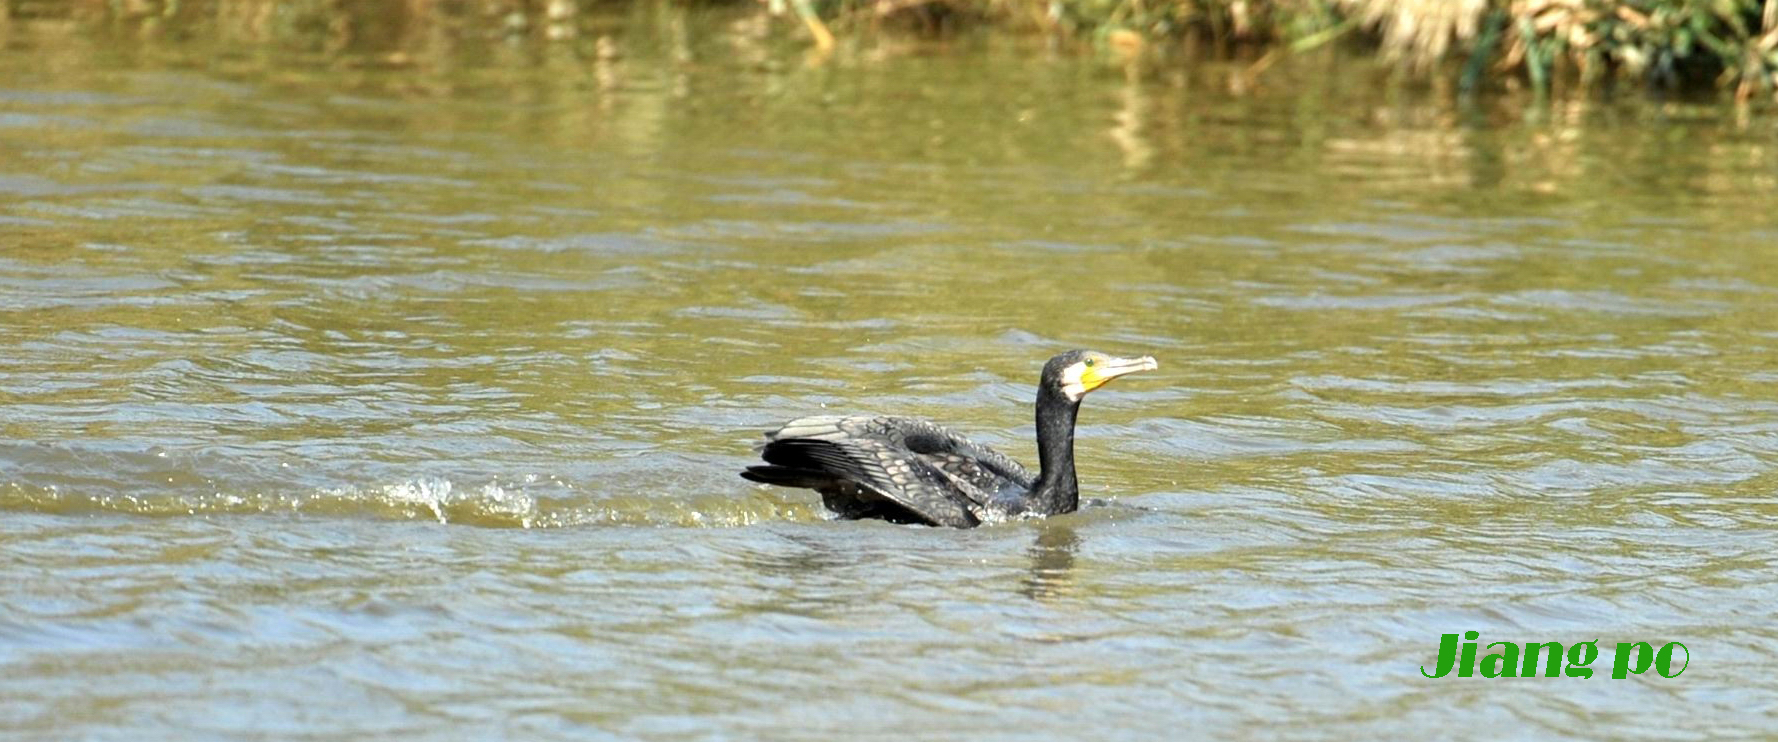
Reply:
x=897, y=468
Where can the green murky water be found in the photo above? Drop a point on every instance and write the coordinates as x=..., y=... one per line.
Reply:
x=358, y=394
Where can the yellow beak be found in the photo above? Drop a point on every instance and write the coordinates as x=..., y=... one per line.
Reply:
x=1105, y=369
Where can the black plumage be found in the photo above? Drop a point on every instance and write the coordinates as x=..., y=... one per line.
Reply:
x=908, y=470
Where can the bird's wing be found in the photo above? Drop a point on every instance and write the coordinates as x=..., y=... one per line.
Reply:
x=921, y=436
x=916, y=435
x=909, y=461
x=890, y=471
x=974, y=481
x=819, y=427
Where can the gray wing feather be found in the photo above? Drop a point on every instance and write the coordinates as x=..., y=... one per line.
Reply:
x=921, y=466
x=879, y=468
x=919, y=436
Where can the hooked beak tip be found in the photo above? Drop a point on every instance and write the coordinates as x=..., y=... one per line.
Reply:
x=1131, y=365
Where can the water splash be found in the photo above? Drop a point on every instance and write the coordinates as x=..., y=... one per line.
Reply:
x=490, y=504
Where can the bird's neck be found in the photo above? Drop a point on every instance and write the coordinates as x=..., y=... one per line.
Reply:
x=1056, y=490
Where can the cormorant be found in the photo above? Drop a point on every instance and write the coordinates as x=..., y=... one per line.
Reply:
x=907, y=470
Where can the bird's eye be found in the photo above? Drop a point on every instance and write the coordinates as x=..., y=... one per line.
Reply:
x=1089, y=363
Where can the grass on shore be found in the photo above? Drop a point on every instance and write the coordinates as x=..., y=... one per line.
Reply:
x=1695, y=44
x=1672, y=43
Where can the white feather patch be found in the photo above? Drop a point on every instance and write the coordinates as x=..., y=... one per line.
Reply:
x=1071, y=385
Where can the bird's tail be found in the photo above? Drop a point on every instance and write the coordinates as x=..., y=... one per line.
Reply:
x=785, y=476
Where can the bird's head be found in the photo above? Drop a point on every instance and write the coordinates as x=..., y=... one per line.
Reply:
x=1077, y=372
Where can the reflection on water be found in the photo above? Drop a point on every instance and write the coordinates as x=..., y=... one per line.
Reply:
x=420, y=361
x=1052, y=561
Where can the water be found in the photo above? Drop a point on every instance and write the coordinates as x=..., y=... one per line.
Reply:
x=399, y=391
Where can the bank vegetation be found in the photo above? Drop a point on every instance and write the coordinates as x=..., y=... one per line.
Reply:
x=1668, y=44
x=1731, y=44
